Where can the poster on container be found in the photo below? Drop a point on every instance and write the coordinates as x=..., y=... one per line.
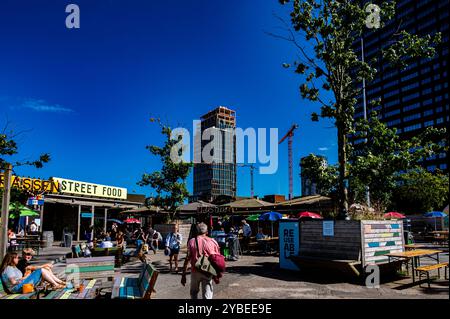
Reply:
x=289, y=243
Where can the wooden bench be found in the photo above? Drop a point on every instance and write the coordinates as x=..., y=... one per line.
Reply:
x=101, y=268
x=427, y=269
x=136, y=288
x=90, y=291
x=117, y=252
x=348, y=267
x=5, y=295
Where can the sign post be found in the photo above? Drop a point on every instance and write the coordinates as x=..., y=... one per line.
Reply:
x=5, y=211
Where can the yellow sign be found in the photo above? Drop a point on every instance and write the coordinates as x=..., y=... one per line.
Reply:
x=88, y=189
x=31, y=184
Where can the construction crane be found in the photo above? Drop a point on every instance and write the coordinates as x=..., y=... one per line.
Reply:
x=289, y=136
x=252, y=168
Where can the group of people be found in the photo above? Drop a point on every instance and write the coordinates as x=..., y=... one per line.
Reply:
x=15, y=272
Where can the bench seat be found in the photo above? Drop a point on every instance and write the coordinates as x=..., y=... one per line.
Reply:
x=90, y=268
x=348, y=267
x=5, y=295
x=136, y=288
x=427, y=269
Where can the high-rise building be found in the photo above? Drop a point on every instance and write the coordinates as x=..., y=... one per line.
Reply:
x=417, y=97
x=218, y=178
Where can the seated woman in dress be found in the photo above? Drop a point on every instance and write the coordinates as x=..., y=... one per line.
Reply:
x=13, y=279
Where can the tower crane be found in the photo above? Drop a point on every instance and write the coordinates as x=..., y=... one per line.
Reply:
x=289, y=136
x=252, y=168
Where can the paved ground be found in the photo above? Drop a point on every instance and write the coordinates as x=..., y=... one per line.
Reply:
x=260, y=277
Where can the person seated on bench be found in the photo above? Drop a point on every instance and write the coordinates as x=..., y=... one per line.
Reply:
x=24, y=264
x=260, y=236
x=13, y=279
x=106, y=243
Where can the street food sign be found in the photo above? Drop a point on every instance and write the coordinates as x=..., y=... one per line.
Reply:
x=68, y=186
x=31, y=184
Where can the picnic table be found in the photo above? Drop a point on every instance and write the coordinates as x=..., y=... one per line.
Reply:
x=414, y=256
x=30, y=241
x=414, y=246
x=270, y=243
x=90, y=291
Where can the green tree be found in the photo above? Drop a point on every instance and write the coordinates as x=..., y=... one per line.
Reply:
x=384, y=157
x=421, y=191
x=9, y=147
x=316, y=169
x=331, y=27
x=170, y=182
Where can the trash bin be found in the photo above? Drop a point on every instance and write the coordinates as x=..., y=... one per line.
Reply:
x=47, y=238
x=408, y=237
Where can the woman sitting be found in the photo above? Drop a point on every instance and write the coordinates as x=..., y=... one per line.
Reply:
x=13, y=279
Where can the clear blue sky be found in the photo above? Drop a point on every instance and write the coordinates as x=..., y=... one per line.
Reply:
x=86, y=95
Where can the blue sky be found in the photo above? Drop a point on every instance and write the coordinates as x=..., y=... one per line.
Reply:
x=86, y=95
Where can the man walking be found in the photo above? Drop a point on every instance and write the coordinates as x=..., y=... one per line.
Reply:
x=206, y=246
x=173, y=243
x=246, y=233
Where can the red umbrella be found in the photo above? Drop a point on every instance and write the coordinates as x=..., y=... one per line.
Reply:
x=394, y=215
x=132, y=221
x=309, y=214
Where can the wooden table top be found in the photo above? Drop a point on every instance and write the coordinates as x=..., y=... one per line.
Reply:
x=269, y=238
x=415, y=253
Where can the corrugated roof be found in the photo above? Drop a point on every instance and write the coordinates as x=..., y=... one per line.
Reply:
x=248, y=203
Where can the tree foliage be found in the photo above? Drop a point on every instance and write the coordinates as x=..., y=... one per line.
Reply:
x=329, y=63
x=170, y=182
x=316, y=169
x=9, y=147
x=383, y=162
x=421, y=191
x=380, y=160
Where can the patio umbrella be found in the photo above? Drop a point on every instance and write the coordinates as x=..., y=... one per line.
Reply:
x=271, y=216
x=435, y=215
x=253, y=218
x=19, y=210
x=131, y=221
x=309, y=214
x=394, y=215
x=115, y=221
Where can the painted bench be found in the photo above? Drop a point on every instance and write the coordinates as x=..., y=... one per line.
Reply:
x=101, y=268
x=425, y=270
x=5, y=295
x=117, y=252
x=136, y=288
x=90, y=291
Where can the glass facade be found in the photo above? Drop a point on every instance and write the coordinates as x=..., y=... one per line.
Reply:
x=219, y=177
x=416, y=97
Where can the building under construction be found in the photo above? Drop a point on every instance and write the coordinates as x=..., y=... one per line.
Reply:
x=218, y=178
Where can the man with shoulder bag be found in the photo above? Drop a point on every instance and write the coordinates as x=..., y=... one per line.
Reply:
x=206, y=263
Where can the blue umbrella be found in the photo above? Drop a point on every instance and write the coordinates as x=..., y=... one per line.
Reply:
x=115, y=221
x=272, y=217
x=435, y=215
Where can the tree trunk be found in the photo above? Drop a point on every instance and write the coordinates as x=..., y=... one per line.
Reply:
x=342, y=157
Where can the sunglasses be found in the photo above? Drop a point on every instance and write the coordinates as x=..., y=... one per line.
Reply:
x=28, y=254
